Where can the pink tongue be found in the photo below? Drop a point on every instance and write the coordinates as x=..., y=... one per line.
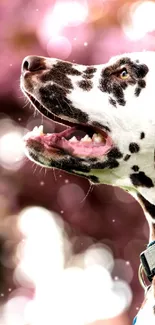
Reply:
x=85, y=149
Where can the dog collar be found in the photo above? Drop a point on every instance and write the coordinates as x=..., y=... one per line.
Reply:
x=147, y=259
x=147, y=266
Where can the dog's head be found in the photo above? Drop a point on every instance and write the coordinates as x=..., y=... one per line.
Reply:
x=110, y=109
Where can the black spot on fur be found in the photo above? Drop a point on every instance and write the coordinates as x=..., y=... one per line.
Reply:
x=137, y=91
x=100, y=126
x=112, y=101
x=127, y=157
x=140, y=70
x=124, y=84
x=59, y=74
x=87, y=76
x=89, y=73
x=150, y=208
x=93, y=159
x=66, y=68
x=54, y=99
x=113, y=164
x=34, y=156
x=135, y=168
x=118, y=93
x=110, y=163
x=108, y=85
x=93, y=178
x=85, y=85
x=134, y=147
x=105, y=85
x=90, y=70
x=115, y=153
x=132, y=82
x=58, y=78
x=142, y=135
x=123, y=61
x=142, y=83
x=70, y=164
x=121, y=101
x=140, y=179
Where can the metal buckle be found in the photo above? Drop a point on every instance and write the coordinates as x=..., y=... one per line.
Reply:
x=147, y=258
x=141, y=277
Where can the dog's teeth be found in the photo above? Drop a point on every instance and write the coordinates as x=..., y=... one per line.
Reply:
x=97, y=138
x=73, y=139
x=86, y=139
x=35, y=129
x=40, y=129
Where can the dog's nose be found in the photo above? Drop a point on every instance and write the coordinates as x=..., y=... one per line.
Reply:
x=33, y=63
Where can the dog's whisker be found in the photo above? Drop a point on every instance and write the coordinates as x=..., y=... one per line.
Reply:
x=68, y=105
x=41, y=168
x=88, y=192
x=26, y=104
x=35, y=169
x=59, y=104
x=54, y=174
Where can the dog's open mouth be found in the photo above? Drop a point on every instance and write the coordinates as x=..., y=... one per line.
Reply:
x=77, y=140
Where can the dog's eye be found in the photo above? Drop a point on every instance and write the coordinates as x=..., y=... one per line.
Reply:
x=124, y=74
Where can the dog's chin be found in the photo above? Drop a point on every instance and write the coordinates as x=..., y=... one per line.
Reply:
x=79, y=144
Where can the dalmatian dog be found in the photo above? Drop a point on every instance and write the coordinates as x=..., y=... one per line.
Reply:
x=109, y=114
